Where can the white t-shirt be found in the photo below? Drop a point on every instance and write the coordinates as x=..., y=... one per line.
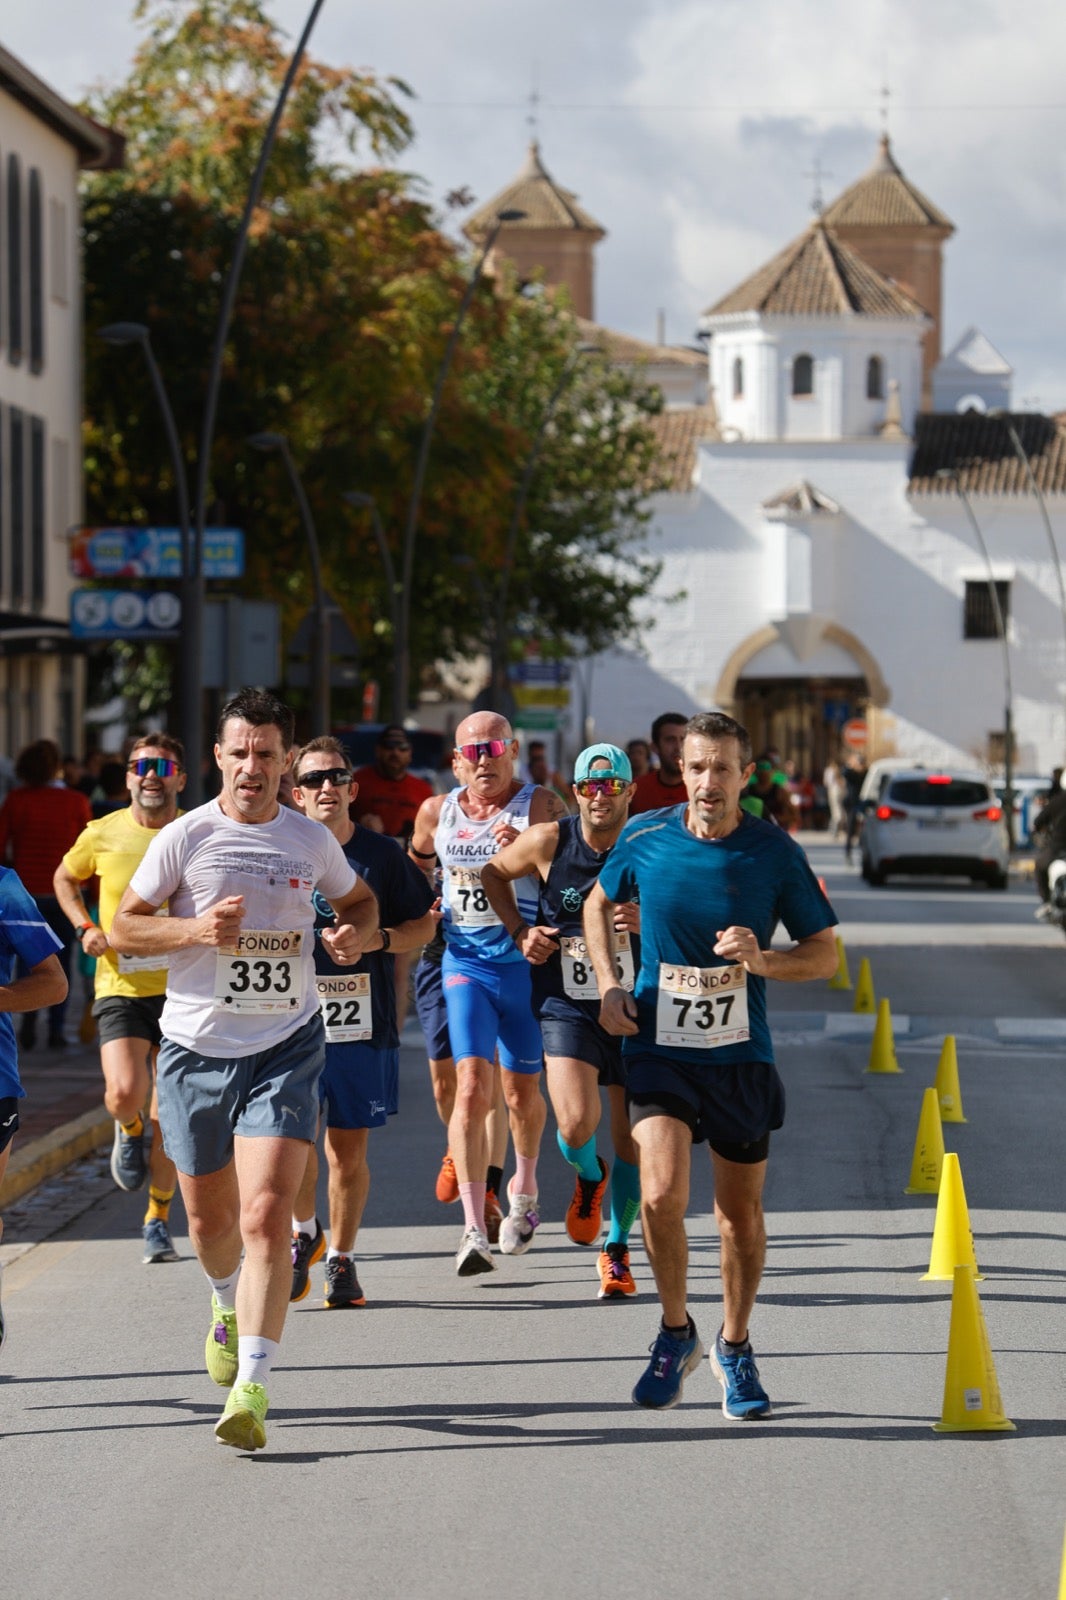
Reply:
x=202, y=858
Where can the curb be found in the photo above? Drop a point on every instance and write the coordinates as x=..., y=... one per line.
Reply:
x=43, y=1157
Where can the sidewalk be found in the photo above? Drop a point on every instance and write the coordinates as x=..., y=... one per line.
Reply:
x=62, y=1116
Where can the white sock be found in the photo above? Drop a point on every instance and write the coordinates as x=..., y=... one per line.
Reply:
x=307, y=1227
x=255, y=1357
x=335, y=1255
x=225, y=1289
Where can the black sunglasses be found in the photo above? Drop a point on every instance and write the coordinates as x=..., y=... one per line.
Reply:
x=339, y=777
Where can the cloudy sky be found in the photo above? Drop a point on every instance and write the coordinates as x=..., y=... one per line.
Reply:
x=691, y=130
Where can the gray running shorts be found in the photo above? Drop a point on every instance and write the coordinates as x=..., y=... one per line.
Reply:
x=204, y=1101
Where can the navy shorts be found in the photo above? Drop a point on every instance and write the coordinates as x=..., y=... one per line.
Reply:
x=359, y=1086
x=489, y=1010
x=432, y=1012
x=9, y=1120
x=205, y=1100
x=733, y=1107
x=122, y=1016
x=581, y=1039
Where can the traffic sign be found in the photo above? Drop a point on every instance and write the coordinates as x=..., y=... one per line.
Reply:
x=541, y=694
x=124, y=614
x=855, y=733
x=151, y=553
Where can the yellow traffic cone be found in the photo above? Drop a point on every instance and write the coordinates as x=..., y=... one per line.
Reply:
x=864, y=994
x=947, y=1083
x=1062, y=1574
x=883, y=1048
x=972, y=1401
x=841, y=978
x=928, y=1160
x=952, y=1237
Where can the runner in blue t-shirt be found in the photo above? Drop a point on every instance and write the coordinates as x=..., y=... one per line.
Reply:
x=25, y=937
x=713, y=882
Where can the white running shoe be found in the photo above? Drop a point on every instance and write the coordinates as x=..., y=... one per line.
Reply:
x=520, y=1224
x=473, y=1255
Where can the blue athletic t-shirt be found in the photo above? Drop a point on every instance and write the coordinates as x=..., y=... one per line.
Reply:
x=23, y=934
x=403, y=895
x=691, y=888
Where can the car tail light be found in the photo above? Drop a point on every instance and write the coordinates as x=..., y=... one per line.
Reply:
x=989, y=814
x=887, y=813
x=939, y=777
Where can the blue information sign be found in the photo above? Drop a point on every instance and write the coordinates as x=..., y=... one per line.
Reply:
x=152, y=553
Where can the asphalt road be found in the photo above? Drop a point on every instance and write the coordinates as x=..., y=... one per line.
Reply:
x=476, y=1438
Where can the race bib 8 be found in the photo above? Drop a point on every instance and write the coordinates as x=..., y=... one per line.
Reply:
x=158, y=963
x=345, y=1003
x=579, y=980
x=467, y=900
x=264, y=974
x=701, y=1008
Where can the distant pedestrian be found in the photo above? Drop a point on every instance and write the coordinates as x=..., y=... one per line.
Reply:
x=663, y=785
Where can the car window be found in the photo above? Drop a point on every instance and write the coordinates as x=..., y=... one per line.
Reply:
x=921, y=792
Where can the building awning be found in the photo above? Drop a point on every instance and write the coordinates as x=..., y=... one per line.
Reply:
x=22, y=635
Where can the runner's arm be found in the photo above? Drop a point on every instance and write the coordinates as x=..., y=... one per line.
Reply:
x=618, y=1009
x=44, y=985
x=421, y=846
x=545, y=806
x=529, y=855
x=137, y=931
x=813, y=957
x=71, y=903
x=404, y=936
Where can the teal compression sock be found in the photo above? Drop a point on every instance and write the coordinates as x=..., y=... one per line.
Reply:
x=585, y=1161
x=625, y=1200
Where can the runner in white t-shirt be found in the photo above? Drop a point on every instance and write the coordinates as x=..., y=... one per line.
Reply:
x=243, y=1041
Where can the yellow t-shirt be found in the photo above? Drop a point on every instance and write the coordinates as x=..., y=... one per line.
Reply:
x=111, y=847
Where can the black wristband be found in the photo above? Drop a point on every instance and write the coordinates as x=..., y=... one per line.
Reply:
x=523, y=927
x=386, y=939
x=423, y=855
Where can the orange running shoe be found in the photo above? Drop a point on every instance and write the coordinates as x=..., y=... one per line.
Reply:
x=584, y=1214
x=616, y=1279
x=493, y=1217
x=447, y=1182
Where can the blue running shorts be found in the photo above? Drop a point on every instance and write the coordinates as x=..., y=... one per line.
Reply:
x=359, y=1086
x=489, y=1008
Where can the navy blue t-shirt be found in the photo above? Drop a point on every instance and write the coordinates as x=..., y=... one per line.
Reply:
x=23, y=933
x=403, y=894
x=689, y=889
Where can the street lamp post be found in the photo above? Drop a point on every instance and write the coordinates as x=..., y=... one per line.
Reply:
x=951, y=474
x=1023, y=456
x=403, y=639
x=360, y=501
x=319, y=654
x=188, y=675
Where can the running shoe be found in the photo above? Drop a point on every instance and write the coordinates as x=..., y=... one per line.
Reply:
x=493, y=1217
x=242, y=1423
x=584, y=1214
x=342, y=1284
x=220, y=1352
x=473, y=1255
x=129, y=1158
x=158, y=1245
x=520, y=1223
x=305, y=1252
x=671, y=1362
x=447, y=1181
x=743, y=1396
x=616, y=1280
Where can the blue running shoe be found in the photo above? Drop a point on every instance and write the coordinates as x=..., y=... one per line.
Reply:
x=129, y=1158
x=743, y=1396
x=158, y=1245
x=671, y=1362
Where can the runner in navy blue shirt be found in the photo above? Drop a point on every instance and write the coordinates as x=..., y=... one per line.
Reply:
x=359, y=1086
x=713, y=882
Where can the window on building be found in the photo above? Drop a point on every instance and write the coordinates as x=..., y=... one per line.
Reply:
x=803, y=375
x=17, y=469
x=35, y=261
x=738, y=379
x=37, y=513
x=58, y=249
x=59, y=519
x=979, y=612
x=14, y=260
x=875, y=378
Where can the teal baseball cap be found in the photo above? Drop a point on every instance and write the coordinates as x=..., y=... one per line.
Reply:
x=618, y=765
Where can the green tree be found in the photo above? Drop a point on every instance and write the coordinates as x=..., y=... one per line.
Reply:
x=346, y=301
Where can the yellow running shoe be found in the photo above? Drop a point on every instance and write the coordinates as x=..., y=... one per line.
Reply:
x=220, y=1352
x=244, y=1415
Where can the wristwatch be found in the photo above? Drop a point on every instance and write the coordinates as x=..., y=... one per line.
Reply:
x=83, y=930
x=386, y=939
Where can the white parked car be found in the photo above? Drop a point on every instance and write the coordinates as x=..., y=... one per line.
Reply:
x=949, y=824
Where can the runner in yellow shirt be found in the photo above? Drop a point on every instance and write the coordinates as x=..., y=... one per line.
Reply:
x=130, y=990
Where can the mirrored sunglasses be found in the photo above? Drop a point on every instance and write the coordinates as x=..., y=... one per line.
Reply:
x=487, y=747
x=162, y=766
x=339, y=777
x=610, y=786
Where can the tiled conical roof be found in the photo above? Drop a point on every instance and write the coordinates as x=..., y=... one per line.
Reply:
x=884, y=198
x=545, y=203
x=818, y=276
